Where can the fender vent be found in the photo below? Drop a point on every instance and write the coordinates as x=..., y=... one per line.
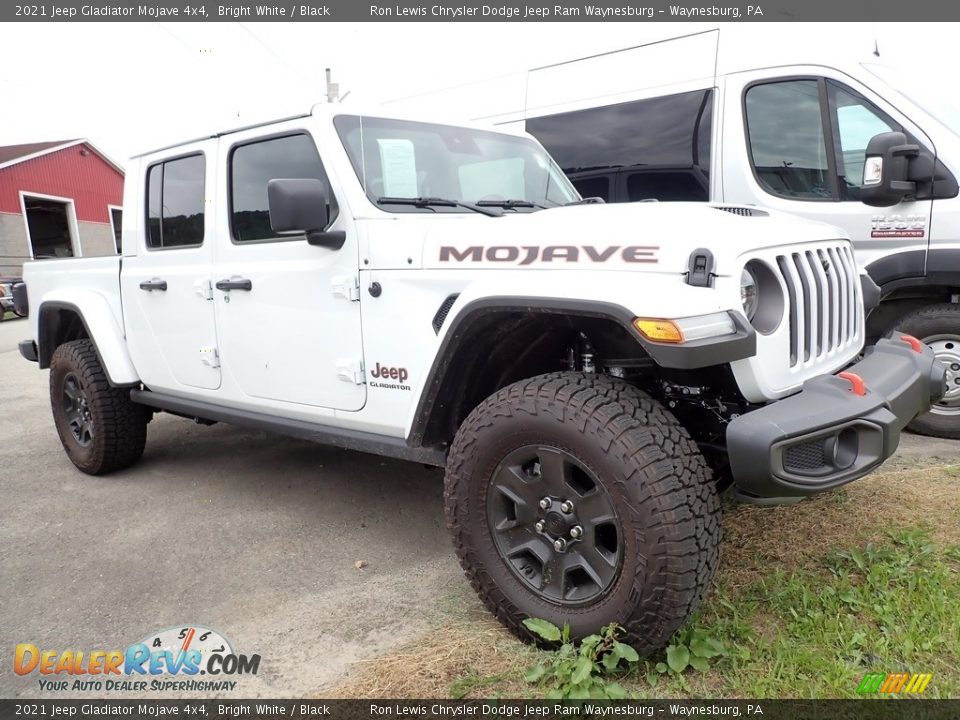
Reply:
x=442, y=312
x=744, y=211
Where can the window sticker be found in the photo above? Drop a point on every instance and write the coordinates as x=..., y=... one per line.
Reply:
x=399, y=163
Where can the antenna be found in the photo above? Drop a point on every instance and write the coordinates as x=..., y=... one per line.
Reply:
x=333, y=89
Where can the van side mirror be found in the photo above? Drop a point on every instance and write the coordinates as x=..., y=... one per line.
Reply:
x=302, y=205
x=886, y=170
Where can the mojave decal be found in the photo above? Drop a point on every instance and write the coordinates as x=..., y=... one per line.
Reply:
x=530, y=254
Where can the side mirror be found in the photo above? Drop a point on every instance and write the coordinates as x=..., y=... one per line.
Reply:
x=301, y=205
x=886, y=170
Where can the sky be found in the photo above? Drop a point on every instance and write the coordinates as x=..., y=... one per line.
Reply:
x=132, y=87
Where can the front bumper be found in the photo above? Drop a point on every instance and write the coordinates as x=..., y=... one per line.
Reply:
x=829, y=433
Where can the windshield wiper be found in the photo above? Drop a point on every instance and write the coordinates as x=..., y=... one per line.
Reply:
x=436, y=201
x=587, y=201
x=512, y=204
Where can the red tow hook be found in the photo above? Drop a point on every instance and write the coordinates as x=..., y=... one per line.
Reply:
x=912, y=342
x=857, y=386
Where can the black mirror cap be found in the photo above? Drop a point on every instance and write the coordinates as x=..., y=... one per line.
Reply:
x=332, y=239
x=888, y=155
x=298, y=205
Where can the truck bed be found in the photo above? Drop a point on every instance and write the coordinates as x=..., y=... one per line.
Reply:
x=46, y=280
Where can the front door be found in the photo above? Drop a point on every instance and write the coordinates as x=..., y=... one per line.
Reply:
x=806, y=137
x=166, y=282
x=288, y=313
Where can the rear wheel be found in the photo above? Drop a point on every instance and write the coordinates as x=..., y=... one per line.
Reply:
x=938, y=326
x=579, y=499
x=100, y=428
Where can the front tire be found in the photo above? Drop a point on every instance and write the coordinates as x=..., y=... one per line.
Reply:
x=555, y=453
x=100, y=428
x=938, y=326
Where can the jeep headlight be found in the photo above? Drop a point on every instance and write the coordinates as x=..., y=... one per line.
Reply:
x=749, y=294
x=762, y=296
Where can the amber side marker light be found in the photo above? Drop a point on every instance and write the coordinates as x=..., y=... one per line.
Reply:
x=665, y=331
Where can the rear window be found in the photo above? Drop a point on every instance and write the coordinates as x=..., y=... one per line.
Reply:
x=175, y=203
x=669, y=131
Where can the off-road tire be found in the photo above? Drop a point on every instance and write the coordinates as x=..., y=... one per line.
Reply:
x=658, y=480
x=935, y=321
x=119, y=425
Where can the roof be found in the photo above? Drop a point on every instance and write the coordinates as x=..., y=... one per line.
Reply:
x=20, y=152
x=331, y=110
x=15, y=154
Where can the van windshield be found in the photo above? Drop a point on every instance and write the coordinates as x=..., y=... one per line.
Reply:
x=943, y=106
x=449, y=169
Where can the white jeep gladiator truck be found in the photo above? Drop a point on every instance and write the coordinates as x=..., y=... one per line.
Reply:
x=591, y=376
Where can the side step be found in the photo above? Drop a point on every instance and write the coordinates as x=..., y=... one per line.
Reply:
x=315, y=432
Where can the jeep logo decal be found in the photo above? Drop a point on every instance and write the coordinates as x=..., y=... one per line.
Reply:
x=385, y=374
x=529, y=254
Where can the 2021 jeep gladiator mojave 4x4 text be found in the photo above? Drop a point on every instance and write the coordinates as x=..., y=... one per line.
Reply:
x=590, y=376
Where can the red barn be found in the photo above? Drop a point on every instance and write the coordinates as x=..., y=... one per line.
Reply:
x=57, y=199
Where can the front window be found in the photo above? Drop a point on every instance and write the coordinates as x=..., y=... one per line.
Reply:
x=857, y=121
x=808, y=137
x=252, y=166
x=786, y=134
x=403, y=159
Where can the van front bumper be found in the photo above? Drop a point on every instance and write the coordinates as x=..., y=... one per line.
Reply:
x=837, y=428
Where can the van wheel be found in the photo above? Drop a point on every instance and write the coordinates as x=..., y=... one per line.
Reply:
x=939, y=327
x=580, y=500
x=100, y=428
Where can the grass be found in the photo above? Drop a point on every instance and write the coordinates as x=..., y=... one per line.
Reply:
x=808, y=599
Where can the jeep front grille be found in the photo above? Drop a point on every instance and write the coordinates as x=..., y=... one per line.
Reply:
x=823, y=288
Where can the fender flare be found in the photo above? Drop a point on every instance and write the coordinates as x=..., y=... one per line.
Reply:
x=688, y=356
x=102, y=328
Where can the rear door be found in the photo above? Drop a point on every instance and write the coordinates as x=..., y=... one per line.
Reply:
x=289, y=324
x=165, y=279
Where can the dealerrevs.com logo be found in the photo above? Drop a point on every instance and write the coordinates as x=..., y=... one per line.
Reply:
x=169, y=660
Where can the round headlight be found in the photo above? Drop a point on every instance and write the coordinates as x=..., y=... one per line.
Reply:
x=749, y=295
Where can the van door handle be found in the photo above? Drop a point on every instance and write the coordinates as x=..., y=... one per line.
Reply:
x=235, y=284
x=154, y=284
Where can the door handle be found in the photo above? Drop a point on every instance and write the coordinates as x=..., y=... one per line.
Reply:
x=154, y=284
x=235, y=284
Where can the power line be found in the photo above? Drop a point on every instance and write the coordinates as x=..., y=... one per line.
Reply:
x=270, y=50
x=174, y=36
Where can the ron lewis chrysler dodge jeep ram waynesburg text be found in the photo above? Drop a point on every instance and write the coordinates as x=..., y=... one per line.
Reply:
x=591, y=376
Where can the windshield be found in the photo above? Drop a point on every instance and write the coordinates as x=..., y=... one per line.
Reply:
x=939, y=101
x=397, y=159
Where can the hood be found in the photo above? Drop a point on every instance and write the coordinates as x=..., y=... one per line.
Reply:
x=645, y=236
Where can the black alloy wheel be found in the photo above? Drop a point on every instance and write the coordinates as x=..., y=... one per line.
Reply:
x=555, y=525
x=76, y=410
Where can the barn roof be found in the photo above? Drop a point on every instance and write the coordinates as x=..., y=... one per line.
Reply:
x=15, y=154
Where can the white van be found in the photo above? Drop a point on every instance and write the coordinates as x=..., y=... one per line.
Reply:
x=753, y=117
